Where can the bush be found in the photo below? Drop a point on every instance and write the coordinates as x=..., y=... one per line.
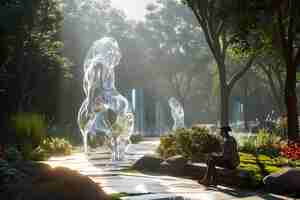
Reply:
x=136, y=138
x=263, y=143
x=167, y=146
x=30, y=129
x=12, y=154
x=266, y=139
x=248, y=146
x=65, y=131
x=8, y=174
x=56, y=146
x=39, y=154
x=191, y=143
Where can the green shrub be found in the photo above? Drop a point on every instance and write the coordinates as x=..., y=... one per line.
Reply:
x=136, y=138
x=194, y=143
x=8, y=174
x=263, y=143
x=248, y=145
x=167, y=146
x=191, y=143
x=64, y=131
x=269, y=151
x=12, y=154
x=56, y=146
x=30, y=129
x=258, y=166
x=39, y=154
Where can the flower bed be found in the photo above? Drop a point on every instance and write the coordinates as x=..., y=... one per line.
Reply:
x=291, y=151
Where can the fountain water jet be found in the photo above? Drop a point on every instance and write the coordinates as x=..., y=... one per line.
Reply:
x=103, y=100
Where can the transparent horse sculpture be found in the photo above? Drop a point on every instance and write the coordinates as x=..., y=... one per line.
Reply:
x=103, y=98
x=177, y=113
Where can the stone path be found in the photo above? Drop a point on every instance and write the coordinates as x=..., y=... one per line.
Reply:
x=113, y=178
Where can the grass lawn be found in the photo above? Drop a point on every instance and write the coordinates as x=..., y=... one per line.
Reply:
x=261, y=165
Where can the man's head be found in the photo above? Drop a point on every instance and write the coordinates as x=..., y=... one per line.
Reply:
x=225, y=131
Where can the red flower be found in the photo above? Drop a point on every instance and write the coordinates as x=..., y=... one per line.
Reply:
x=291, y=151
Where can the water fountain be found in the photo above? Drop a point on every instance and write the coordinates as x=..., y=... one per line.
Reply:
x=177, y=113
x=105, y=111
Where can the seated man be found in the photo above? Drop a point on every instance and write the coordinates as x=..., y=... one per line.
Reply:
x=228, y=159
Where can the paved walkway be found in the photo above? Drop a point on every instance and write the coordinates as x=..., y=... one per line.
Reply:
x=114, y=179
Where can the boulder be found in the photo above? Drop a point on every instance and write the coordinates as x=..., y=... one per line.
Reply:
x=286, y=182
x=57, y=184
x=32, y=169
x=174, y=165
x=148, y=163
x=177, y=160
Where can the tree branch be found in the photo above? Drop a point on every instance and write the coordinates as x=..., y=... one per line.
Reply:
x=220, y=28
x=276, y=95
x=283, y=40
x=240, y=73
x=291, y=31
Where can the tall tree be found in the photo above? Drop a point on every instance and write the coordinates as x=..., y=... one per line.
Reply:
x=278, y=20
x=216, y=24
x=286, y=14
x=176, y=55
x=32, y=54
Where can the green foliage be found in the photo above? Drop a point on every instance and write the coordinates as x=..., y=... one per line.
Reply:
x=191, y=143
x=64, y=131
x=167, y=146
x=56, y=146
x=30, y=126
x=8, y=174
x=270, y=151
x=12, y=154
x=263, y=143
x=30, y=129
x=258, y=166
x=264, y=138
x=118, y=196
x=31, y=54
x=136, y=138
x=39, y=154
x=248, y=145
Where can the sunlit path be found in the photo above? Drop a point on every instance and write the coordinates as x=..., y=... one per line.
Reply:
x=113, y=179
x=98, y=167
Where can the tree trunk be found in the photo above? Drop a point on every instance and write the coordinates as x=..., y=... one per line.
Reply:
x=291, y=102
x=19, y=69
x=224, y=104
x=245, y=111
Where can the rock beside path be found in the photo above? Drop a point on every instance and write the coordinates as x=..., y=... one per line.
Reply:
x=287, y=182
x=174, y=165
x=148, y=163
x=43, y=183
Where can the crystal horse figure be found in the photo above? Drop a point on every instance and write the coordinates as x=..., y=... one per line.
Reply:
x=102, y=99
x=177, y=113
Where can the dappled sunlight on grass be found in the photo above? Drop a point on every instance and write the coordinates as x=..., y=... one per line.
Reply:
x=261, y=165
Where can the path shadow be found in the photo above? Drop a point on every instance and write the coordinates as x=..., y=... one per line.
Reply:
x=238, y=193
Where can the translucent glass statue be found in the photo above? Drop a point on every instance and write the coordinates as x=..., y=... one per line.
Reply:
x=103, y=100
x=177, y=113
